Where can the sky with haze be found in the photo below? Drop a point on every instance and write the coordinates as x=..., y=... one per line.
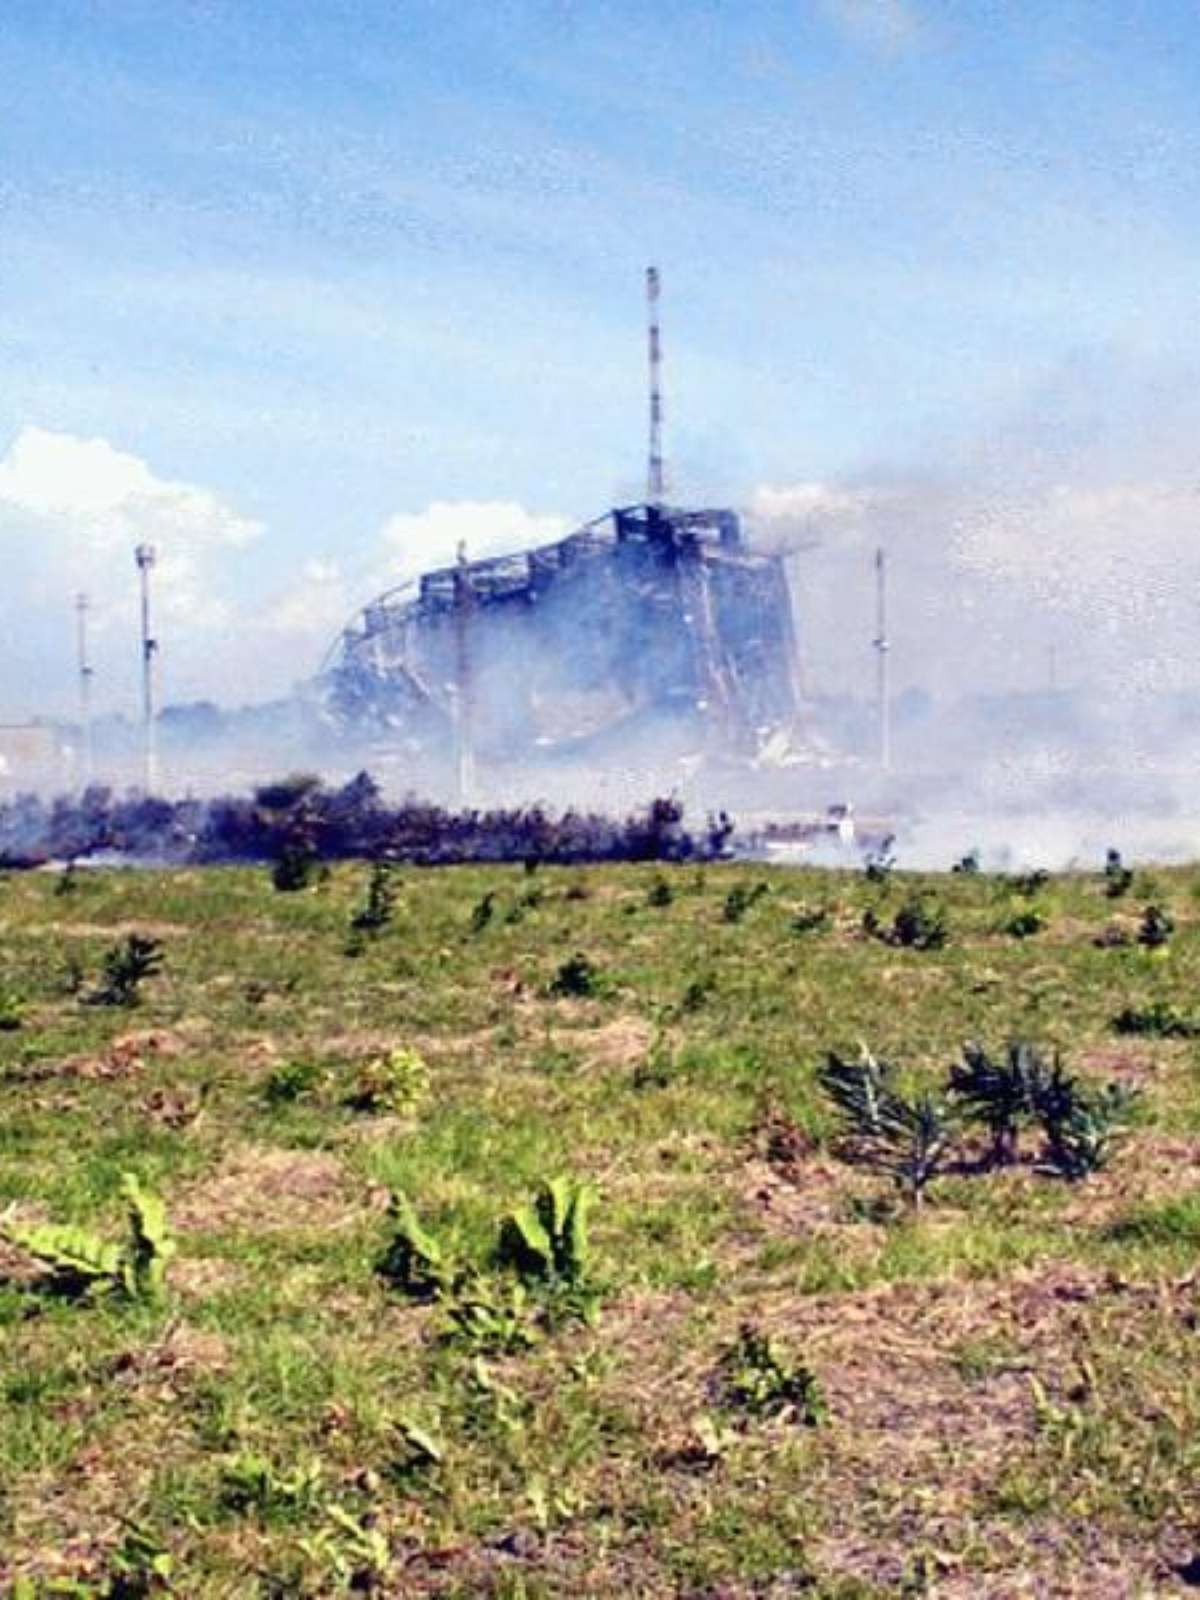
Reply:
x=304, y=291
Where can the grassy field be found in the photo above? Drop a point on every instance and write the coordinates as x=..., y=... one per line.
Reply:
x=996, y=1394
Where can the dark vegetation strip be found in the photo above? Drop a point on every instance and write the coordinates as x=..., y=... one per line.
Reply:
x=298, y=821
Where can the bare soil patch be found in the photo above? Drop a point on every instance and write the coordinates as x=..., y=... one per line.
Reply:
x=268, y=1190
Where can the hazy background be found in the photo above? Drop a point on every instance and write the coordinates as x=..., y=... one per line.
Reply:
x=306, y=292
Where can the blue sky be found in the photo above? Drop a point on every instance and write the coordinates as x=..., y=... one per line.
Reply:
x=310, y=269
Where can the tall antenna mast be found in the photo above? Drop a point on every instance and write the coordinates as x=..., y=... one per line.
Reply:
x=85, y=687
x=464, y=605
x=654, y=477
x=881, y=653
x=144, y=555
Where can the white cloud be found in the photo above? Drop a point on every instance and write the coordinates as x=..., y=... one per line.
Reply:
x=115, y=494
x=431, y=538
x=792, y=516
x=71, y=511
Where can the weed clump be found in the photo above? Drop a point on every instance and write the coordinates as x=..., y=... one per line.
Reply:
x=395, y=1083
x=919, y=924
x=810, y=919
x=126, y=967
x=379, y=906
x=1118, y=879
x=1025, y=923
x=660, y=892
x=295, y=1080
x=741, y=898
x=1156, y=1021
x=577, y=978
x=757, y=1379
x=1155, y=929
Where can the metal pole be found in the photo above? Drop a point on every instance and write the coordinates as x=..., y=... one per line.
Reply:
x=85, y=688
x=654, y=478
x=144, y=555
x=464, y=597
x=882, y=646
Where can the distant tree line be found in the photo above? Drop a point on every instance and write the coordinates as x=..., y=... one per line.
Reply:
x=299, y=814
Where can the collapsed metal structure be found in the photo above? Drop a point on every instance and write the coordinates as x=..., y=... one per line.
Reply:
x=651, y=619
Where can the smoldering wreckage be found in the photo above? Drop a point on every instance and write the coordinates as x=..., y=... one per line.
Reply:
x=652, y=645
x=651, y=627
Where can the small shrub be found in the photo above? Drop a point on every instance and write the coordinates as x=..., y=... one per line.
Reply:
x=697, y=992
x=126, y=967
x=660, y=892
x=1027, y=884
x=859, y=1090
x=489, y=1318
x=1156, y=1021
x=741, y=898
x=1118, y=879
x=1003, y=1094
x=1023, y=924
x=396, y=1083
x=920, y=924
x=756, y=1378
x=295, y=1080
x=251, y=1483
x=483, y=911
x=12, y=1012
x=576, y=978
x=68, y=880
x=967, y=865
x=1155, y=929
x=814, y=919
x=379, y=906
x=141, y=1565
x=294, y=868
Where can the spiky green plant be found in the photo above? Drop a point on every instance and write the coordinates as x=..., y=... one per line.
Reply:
x=920, y=924
x=741, y=898
x=859, y=1090
x=1083, y=1127
x=126, y=967
x=908, y=1137
x=1002, y=1094
x=379, y=906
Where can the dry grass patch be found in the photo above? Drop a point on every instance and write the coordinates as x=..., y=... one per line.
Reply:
x=267, y=1190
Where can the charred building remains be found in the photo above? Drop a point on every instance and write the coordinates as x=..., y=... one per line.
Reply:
x=651, y=621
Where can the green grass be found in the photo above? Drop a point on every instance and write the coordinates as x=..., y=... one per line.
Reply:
x=1013, y=1394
